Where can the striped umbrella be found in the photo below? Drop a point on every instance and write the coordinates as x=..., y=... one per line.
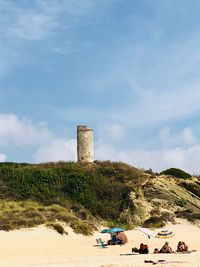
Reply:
x=164, y=234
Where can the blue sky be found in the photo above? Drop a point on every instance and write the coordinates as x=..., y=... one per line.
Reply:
x=130, y=69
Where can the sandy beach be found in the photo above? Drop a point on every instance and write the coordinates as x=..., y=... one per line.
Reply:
x=44, y=247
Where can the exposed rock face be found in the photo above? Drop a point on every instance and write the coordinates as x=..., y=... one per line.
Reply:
x=160, y=199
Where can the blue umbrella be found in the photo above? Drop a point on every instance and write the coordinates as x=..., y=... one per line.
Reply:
x=116, y=229
x=106, y=231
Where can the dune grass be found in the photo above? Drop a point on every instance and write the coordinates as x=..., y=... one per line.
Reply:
x=57, y=227
x=25, y=214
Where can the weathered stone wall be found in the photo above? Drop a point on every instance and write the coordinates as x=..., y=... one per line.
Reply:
x=84, y=144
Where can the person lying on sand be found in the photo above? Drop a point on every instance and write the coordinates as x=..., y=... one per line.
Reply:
x=166, y=248
x=156, y=250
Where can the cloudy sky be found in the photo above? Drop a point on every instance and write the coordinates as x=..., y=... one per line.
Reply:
x=129, y=69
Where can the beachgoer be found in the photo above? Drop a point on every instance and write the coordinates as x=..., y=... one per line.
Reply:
x=166, y=248
x=122, y=238
x=182, y=247
x=156, y=250
x=143, y=249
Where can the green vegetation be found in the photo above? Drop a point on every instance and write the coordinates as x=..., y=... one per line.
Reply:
x=21, y=214
x=83, y=195
x=100, y=188
x=181, y=202
x=93, y=186
x=154, y=222
x=81, y=228
x=188, y=214
x=178, y=173
x=58, y=227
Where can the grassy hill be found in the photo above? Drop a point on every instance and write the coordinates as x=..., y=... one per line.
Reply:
x=85, y=195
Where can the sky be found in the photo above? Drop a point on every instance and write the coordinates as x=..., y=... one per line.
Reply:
x=129, y=69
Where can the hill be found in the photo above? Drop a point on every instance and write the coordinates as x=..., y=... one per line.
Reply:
x=85, y=195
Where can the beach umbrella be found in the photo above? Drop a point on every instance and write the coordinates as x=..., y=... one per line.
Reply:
x=164, y=234
x=116, y=229
x=106, y=231
x=112, y=230
x=147, y=232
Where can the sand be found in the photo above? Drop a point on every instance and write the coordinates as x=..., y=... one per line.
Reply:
x=44, y=247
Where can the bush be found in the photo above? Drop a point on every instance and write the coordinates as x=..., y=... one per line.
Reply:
x=82, y=228
x=178, y=173
x=58, y=227
x=154, y=222
x=181, y=202
x=17, y=215
x=188, y=214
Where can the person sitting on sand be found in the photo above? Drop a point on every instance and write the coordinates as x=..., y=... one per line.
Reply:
x=143, y=249
x=166, y=248
x=182, y=247
x=122, y=238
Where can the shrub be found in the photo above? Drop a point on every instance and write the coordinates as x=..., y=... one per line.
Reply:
x=188, y=214
x=82, y=228
x=16, y=215
x=181, y=202
x=58, y=227
x=178, y=173
x=154, y=222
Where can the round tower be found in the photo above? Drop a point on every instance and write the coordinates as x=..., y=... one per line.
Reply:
x=84, y=144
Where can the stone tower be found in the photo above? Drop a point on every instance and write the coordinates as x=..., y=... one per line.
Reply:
x=84, y=144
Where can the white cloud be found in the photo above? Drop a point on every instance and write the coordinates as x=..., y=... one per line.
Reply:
x=3, y=157
x=56, y=150
x=158, y=160
x=184, y=138
x=103, y=151
x=187, y=137
x=22, y=132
